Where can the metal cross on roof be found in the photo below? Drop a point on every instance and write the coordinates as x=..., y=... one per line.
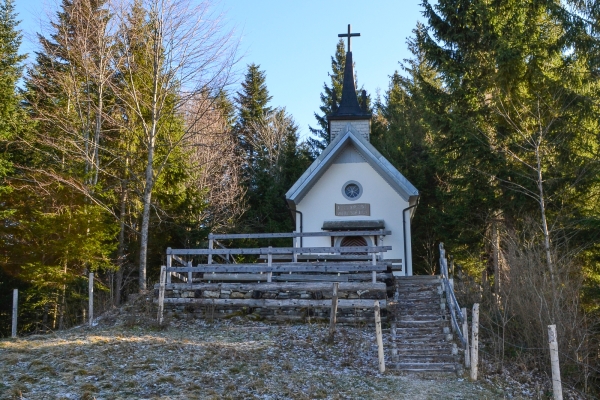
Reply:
x=349, y=36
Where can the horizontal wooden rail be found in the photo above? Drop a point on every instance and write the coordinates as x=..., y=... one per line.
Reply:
x=281, y=250
x=357, y=276
x=281, y=286
x=379, y=232
x=342, y=303
x=282, y=267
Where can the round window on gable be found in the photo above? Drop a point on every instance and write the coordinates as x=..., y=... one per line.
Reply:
x=352, y=190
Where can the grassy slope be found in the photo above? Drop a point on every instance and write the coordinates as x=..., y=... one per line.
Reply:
x=128, y=356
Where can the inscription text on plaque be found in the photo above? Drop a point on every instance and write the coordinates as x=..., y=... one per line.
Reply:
x=349, y=210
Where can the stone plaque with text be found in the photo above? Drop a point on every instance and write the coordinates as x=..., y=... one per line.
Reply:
x=349, y=210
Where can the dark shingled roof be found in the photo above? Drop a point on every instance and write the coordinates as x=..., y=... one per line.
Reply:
x=349, y=225
x=349, y=106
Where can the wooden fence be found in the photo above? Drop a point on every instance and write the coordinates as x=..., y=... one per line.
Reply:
x=359, y=269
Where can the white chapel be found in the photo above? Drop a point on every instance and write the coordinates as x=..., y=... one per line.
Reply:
x=351, y=186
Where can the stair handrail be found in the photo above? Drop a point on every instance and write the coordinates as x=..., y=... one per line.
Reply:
x=456, y=314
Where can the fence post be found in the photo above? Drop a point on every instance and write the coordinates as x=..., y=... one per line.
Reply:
x=379, y=338
x=169, y=264
x=556, y=382
x=14, y=312
x=210, y=246
x=374, y=273
x=270, y=263
x=91, y=299
x=161, y=293
x=332, y=316
x=465, y=329
x=475, y=341
x=394, y=344
x=189, y=277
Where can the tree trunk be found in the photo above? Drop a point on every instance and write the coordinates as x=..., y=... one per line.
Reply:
x=496, y=254
x=157, y=50
x=97, y=133
x=545, y=230
x=121, y=248
x=146, y=218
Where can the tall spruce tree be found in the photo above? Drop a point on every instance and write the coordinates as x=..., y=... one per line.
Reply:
x=252, y=107
x=330, y=92
x=496, y=64
x=12, y=121
x=401, y=133
x=11, y=116
x=273, y=158
x=512, y=128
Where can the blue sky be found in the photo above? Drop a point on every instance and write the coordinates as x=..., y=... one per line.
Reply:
x=293, y=41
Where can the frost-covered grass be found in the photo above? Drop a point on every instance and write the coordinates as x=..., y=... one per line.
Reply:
x=127, y=356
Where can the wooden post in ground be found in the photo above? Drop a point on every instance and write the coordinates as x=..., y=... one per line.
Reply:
x=161, y=294
x=210, y=246
x=379, y=338
x=91, y=299
x=14, y=312
x=270, y=263
x=556, y=382
x=332, y=317
x=475, y=342
x=394, y=344
x=374, y=273
x=189, y=277
x=169, y=264
x=465, y=332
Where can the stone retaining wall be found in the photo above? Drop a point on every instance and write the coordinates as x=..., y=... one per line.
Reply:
x=287, y=313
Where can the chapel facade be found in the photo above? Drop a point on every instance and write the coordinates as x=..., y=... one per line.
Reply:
x=351, y=186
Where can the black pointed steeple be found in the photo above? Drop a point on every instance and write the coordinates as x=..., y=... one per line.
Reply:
x=349, y=108
x=349, y=105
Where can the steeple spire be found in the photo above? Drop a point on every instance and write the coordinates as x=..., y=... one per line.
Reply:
x=349, y=108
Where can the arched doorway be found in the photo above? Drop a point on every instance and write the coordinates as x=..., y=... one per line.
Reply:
x=352, y=241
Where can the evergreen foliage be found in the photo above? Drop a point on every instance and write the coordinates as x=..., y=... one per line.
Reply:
x=12, y=121
x=11, y=116
x=494, y=121
x=273, y=157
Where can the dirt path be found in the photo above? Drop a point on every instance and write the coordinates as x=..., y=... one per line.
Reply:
x=229, y=359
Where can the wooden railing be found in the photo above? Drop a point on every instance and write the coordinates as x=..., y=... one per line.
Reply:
x=183, y=263
x=374, y=266
x=456, y=313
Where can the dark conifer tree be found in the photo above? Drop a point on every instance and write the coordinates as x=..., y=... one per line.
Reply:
x=273, y=159
x=252, y=107
x=12, y=121
x=11, y=117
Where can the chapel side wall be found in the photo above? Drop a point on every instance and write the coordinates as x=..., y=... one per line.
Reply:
x=386, y=204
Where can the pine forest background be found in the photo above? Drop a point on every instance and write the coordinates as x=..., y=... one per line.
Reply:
x=123, y=137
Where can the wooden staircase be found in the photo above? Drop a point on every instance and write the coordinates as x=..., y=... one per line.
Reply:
x=421, y=338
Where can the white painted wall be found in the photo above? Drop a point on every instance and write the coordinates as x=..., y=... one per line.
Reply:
x=386, y=204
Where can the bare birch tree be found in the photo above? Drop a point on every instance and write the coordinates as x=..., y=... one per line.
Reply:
x=215, y=163
x=181, y=51
x=270, y=137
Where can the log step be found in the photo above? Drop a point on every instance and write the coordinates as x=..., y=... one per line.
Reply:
x=416, y=367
